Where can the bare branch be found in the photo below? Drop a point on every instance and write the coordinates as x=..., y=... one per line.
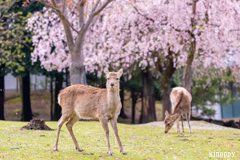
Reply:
x=70, y=24
x=101, y=8
x=63, y=7
x=95, y=6
x=61, y=14
x=148, y=18
x=54, y=3
x=187, y=31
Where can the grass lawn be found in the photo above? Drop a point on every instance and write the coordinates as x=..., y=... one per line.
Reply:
x=140, y=142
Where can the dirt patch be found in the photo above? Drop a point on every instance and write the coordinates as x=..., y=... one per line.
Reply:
x=36, y=124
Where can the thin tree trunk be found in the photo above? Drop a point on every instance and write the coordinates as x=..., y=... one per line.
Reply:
x=67, y=79
x=35, y=84
x=165, y=87
x=51, y=93
x=17, y=84
x=122, y=113
x=46, y=83
x=148, y=113
x=134, y=101
x=58, y=87
x=26, y=103
x=2, y=71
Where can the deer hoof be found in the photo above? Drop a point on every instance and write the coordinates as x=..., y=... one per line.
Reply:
x=55, y=149
x=124, y=153
x=80, y=150
x=110, y=154
x=182, y=131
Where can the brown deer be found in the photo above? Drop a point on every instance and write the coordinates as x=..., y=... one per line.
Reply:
x=181, y=101
x=86, y=102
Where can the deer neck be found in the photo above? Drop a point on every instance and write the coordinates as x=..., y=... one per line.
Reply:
x=113, y=96
x=175, y=115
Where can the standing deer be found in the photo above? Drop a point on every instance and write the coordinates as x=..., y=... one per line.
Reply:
x=86, y=102
x=181, y=101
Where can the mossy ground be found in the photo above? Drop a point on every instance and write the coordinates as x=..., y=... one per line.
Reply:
x=140, y=142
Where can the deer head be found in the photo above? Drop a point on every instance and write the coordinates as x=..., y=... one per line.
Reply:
x=113, y=79
x=169, y=120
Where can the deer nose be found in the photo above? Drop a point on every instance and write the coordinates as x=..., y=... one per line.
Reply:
x=112, y=84
x=165, y=131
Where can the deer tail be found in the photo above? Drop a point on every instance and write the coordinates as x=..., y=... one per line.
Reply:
x=59, y=99
x=181, y=96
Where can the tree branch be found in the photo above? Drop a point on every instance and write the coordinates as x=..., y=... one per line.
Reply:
x=95, y=6
x=61, y=14
x=63, y=7
x=148, y=18
x=101, y=8
x=80, y=7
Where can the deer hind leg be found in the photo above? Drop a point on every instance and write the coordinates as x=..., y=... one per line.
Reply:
x=69, y=125
x=114, y=127
x=177, y=122
x=104, y=123
x=188, y=119
x=182, y=123
x=60, y=123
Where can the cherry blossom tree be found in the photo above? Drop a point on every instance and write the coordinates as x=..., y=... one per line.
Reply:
x=76, y=17
x=142, y=34
x=169, y=35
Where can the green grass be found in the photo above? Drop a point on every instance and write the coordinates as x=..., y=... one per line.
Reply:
x=140, y=142
x=15, y=100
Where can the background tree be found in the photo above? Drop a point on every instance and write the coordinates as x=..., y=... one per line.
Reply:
x=12, y=40
x=25, y=60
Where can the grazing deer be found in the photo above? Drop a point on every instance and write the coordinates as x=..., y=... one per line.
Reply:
x=181, y=101
x=86, y=102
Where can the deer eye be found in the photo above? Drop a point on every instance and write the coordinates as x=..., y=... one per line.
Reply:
x=108, y=78
x=117, y=79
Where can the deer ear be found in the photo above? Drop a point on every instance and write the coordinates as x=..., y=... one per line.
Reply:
x=120, y=72
x=166, y=113
x=106, y=71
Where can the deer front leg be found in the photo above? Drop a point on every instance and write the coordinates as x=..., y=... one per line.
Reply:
x=114, y=127
x=104, y=123
x=60, y=123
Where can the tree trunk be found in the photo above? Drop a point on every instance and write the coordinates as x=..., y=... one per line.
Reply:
x=165, y=87
x=77, y=74
x=58, y=87
x=187, y=81
x=134, y=101
x=148, y=113
x=77, y=69
x=51, y=93
x=35, y=84
x=122, y=113
x=17, y=84
x=2, y=71
x=67, y=79
x=46, y=84
x=165, y=80
x=26, y=103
